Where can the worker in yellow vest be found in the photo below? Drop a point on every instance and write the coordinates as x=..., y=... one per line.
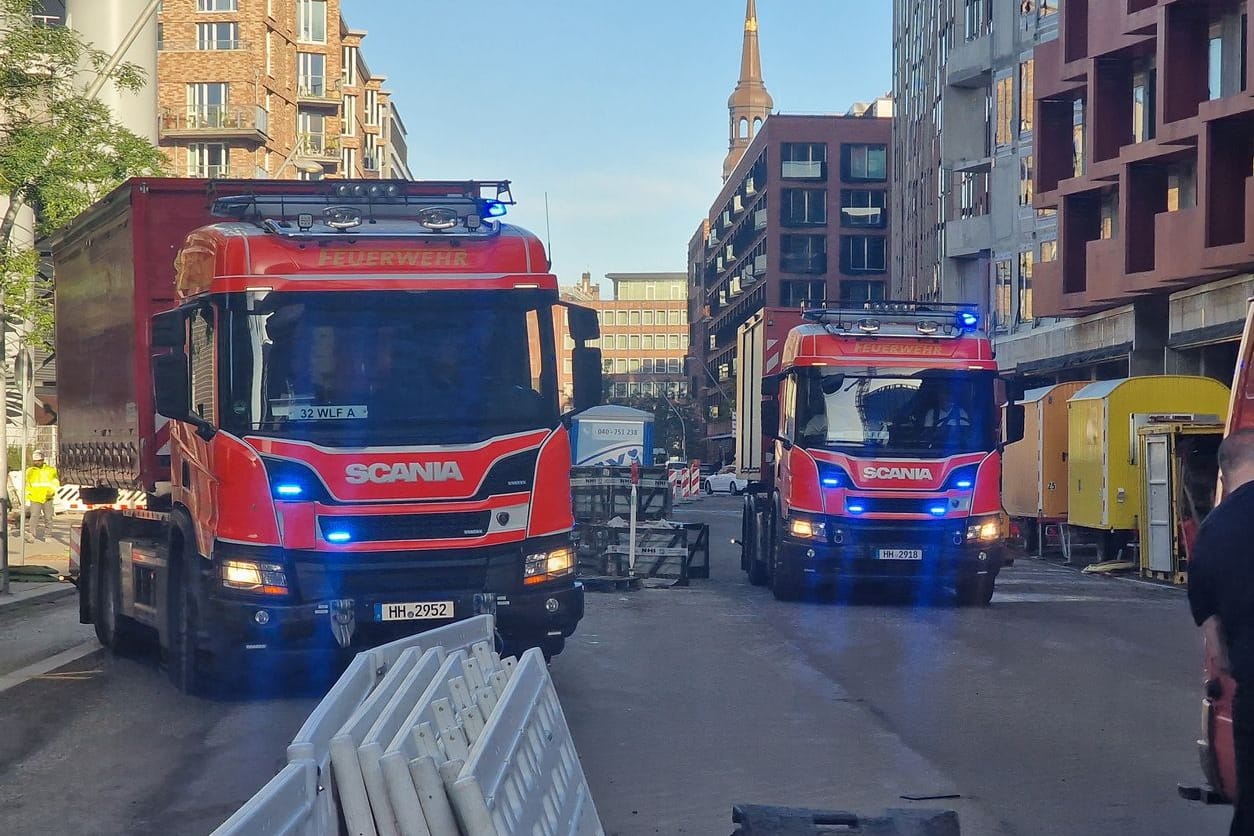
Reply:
x=41, y=490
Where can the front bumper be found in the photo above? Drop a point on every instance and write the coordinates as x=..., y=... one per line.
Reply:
x=336, y=601
x=857, y=549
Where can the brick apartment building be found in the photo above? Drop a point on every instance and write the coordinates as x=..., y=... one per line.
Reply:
x=802, y=217
x=644, y=335
x=271, y=89
x=1144, y=147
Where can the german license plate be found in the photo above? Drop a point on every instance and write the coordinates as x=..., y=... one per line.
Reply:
x=413, y=611
x=900, y=554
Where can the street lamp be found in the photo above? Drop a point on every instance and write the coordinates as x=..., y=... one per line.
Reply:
x=683, y=428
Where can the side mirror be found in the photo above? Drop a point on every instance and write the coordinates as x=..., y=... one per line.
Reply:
x=169, y=329
x=770, y=385
x=831, y=383
x=586, y=371
x=171, y=388
x=770, y=417
x=172, y=392
x=582, y=323
x=1014, y=423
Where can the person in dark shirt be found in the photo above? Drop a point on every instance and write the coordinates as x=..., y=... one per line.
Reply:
x=1221, y=596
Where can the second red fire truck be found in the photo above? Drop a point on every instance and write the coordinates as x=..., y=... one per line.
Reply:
x=879, y=430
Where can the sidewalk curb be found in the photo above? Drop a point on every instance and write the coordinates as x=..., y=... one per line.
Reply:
x=38, y=593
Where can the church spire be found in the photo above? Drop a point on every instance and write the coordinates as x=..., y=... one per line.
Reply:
x=749, y=104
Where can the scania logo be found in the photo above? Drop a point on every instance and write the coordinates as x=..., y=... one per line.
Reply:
x=896, y=473
x=382, y=473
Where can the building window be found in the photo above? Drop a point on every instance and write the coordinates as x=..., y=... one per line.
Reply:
x=270, y=54
x=311, y=74
x=620, y=390
x=216, y=5
x=1048, y=252
x=864, y=162
x=208, y=159
x=863, y=207
x=350, y=116
x=647, y=365
x=1144, y=79
x=977, y=18
x=855, y=292
x=863, y=253
x=1025, y=180
x=1026, y=100
x=803, y=207
x=674, y=317
x=973, y=197
x=1005, y=111
x=803, y=253
x=217, y=36
x=620, y=317
x=1215, y=61
x=1110, y=214
x=348, y=156
x=207, y=104
x=311, y=132
x=348, y=65
x=1181, y=185
x=672, y=341
x=1025, y=286
x=1077, y=138
x=646, y=342
x=803, y=160
x=620, y=365
x=647, y=317
x=633, y=365
x=633, y=342
x=620, y=342
x=1001, y=294
x=794, y=294
x=674, y=365
x=311, y=21
x=372, y=107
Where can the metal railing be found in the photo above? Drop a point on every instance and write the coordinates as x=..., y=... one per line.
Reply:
x=216, y=119
x=318, y=145
x=316, y=87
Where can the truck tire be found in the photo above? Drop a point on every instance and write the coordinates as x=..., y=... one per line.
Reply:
x=115, y=631
x=975, y=591
x=750, y=540
x=189, y=670
x=786, y=584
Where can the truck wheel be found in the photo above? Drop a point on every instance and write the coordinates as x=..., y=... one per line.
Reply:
x=750, y=544
x=187, y=671
x=975, y=591
x=114, y=630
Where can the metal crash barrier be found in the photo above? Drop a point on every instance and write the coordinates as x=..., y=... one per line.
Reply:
x=431, y=735
x=665, y=551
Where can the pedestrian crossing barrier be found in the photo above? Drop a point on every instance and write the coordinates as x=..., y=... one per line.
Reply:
x=665, y=550
x=432, y=735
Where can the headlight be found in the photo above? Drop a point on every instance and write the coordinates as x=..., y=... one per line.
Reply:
x=254, y=576
x=985, y=529
x=807, y=528
x=547, y=566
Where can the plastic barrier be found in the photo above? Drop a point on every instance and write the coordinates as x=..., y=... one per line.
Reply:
x=282, y=807
x=523, y=775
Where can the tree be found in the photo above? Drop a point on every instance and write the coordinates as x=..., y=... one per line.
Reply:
x=60, y=149
x=668, y=428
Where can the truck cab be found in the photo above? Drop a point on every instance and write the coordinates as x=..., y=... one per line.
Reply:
x=881, y=433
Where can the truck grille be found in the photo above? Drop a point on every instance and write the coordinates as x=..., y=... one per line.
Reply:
x=903, y=533
x=400, y=527
x=894, y=505
x=322, y=576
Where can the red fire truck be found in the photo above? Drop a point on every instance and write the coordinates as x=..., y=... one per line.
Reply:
x=880, y=450
x=341, y=401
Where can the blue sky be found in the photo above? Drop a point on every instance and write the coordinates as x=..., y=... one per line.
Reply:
x=616, y=108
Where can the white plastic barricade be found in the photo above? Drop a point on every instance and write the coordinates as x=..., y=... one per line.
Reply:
x=347, y=771
x=523, y=775
x=283, y=807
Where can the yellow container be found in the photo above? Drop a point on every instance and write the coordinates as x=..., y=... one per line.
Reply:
x=1034, y=481
x=1103, y=473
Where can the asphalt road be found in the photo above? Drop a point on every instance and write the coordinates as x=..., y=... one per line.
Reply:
x=1068, y=707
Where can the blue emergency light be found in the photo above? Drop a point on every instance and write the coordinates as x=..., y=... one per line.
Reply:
x=968, y=319
x=338, y=537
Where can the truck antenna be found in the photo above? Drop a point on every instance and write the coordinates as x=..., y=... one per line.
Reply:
x=548, y=239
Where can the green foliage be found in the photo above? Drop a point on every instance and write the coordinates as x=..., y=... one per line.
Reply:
x=668, y=428
x=59, y=149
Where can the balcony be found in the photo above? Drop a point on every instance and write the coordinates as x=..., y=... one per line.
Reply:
x=226, y=172
x=370, y=163
x=1176, y=235
x=738, y=204
x=318, y=147
x=750, y=188
x=318, y=91
x=1105, y=271
x=759, y=220
x=759, y=265
x=967, y=237
x=810, y=170
x=970, y=62
x=215, y=122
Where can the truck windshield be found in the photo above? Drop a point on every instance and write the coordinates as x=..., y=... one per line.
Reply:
x=909, y=412
x=390, y=367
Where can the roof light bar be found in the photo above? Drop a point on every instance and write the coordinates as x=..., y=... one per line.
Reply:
x=937, y=320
